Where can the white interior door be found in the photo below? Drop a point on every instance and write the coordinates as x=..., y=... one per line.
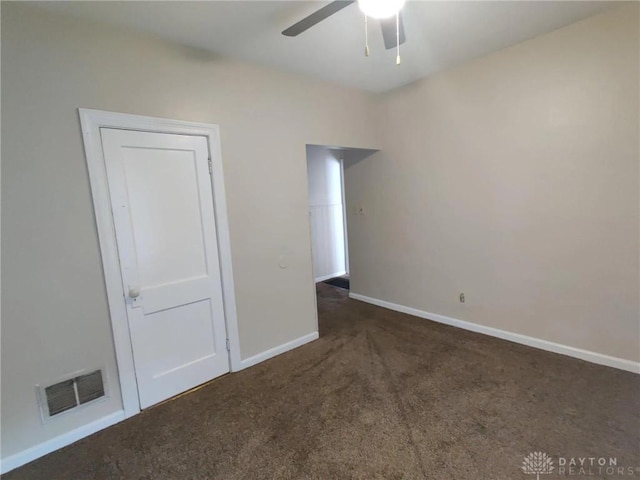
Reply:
x=162, y=203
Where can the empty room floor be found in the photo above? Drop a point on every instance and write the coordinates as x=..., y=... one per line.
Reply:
x=379, y=395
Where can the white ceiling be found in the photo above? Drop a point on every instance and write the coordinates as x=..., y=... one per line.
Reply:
x=440, y=34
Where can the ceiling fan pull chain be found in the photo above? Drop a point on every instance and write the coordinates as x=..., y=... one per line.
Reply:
x=398, y=37
x=366, y=37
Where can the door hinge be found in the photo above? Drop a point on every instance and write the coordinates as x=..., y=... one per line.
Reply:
x=210, y=167
x=228, y=346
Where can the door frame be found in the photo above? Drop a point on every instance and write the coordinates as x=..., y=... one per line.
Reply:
x=91, y=121
x=344, y=218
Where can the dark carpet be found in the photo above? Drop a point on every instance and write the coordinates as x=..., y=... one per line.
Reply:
x=380, y=395
x=340, y=282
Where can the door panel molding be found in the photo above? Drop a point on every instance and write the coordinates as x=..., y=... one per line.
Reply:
x=92, y=121
x=187, y=291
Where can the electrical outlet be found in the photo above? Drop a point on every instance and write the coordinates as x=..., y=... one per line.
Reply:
x=462, y=298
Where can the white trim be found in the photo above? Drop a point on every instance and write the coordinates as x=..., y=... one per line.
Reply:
x=333, y=275
x=92, y=121
x=344, y=218
x=285, y=347
x=574, y=352
x=21, y=458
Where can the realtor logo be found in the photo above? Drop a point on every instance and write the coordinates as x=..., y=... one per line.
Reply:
x=537, y=463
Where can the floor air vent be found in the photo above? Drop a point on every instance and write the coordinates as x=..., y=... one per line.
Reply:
x=71, y=393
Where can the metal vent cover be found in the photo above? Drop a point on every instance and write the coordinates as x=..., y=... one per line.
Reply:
x=89, y=386
x=72, y=393
x=61, y=397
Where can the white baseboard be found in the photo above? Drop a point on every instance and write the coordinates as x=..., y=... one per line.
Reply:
x=56, y=443
x=333, y=275
x=586, y=355
x=272, y=352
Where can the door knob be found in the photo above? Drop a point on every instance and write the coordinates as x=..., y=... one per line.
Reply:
x=134, y=292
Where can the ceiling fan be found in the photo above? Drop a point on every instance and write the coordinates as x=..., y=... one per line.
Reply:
x=388, y=11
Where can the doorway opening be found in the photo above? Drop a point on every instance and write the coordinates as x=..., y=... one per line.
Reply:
x=327, y=215
x=328, y=218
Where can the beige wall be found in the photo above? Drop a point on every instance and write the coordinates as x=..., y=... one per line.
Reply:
x=513, y=179
x=54, y=311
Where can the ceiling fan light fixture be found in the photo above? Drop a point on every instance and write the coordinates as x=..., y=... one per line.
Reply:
x=380, y=8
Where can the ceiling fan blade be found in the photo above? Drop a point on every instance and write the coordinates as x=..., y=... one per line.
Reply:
x=388, y=26
x=316, y=17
